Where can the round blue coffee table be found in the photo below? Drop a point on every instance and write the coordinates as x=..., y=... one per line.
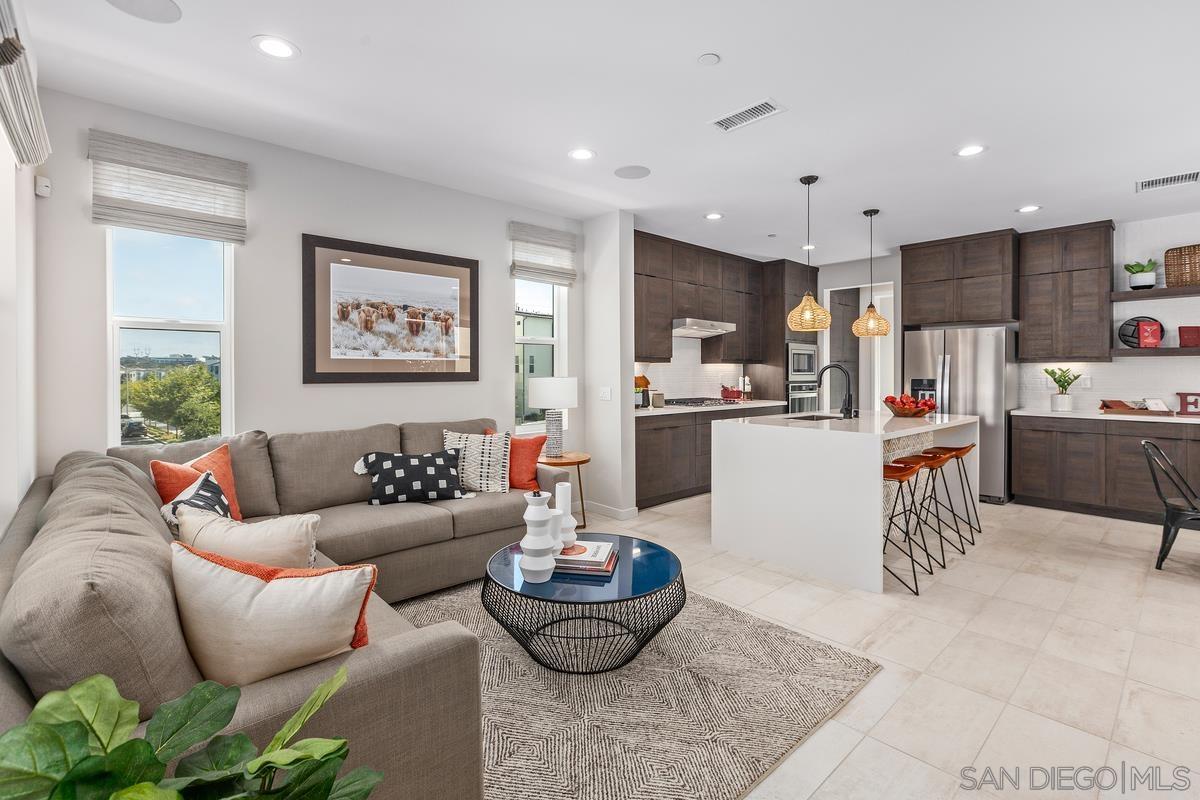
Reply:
x=585, y=624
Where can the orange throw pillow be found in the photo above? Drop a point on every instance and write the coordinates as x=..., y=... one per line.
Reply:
x=171, y=479
x=523, y=455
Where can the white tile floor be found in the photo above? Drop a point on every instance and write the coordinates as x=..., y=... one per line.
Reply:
x=1052, y=642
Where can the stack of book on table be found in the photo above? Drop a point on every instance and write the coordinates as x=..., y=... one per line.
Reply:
x=597, y=558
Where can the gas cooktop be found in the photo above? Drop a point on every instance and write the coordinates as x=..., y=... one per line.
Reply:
x=700, y=402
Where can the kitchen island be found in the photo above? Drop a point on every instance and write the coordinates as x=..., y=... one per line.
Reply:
x=808, y=494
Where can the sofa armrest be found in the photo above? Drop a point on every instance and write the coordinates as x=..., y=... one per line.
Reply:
x=410, y=708
x=548, y=477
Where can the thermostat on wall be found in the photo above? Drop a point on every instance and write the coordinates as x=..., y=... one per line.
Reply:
x=41, y=186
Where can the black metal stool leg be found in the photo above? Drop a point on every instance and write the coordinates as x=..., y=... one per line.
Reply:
x=922, y=512
x=932, y=505
x=969, y=496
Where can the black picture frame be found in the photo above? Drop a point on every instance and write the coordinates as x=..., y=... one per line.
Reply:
x=404, y=371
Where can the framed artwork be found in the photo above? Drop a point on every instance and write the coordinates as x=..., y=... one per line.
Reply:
x=381, y=314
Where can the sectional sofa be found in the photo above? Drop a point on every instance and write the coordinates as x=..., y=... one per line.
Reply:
x=85, y=587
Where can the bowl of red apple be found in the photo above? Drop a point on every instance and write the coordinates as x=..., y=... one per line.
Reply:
x=908, y=406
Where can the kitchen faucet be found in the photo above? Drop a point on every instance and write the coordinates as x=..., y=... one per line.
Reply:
x=848, y=399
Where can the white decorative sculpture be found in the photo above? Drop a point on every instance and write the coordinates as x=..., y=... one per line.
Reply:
x=556, y=517
x=537, y=546
x=562, y=500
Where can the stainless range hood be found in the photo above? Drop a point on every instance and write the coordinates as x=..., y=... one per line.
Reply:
x=689, y=328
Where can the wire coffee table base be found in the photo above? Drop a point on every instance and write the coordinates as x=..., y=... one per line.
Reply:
x=583, y=638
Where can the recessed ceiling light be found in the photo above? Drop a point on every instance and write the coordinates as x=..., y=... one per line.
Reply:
x=808, y=247
x=275, y=47
x=632, y=172
x=969, y=150
x=582, y=154
x=150, y=10
x=709, y=60
x=713, y=215
x=346, y=260
x=1028, y=209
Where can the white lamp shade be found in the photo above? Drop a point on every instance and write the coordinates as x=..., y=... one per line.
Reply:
x=553, y=393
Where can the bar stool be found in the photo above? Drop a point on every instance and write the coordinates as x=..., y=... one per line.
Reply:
x=902, y=476
x=974, y=523
x=931, y=505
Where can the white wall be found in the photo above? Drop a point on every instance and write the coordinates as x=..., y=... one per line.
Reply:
x=849, y=274
x=608, y=360
x=18, y=424
x=1134, y=378
x=290, y=193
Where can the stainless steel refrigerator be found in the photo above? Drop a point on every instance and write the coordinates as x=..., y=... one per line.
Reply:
x=969, y=371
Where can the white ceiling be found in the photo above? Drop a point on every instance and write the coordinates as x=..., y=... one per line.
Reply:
x=1075, y=99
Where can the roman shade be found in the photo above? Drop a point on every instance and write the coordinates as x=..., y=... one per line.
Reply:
x=543, y=254
x=20, y=111
x=140, y=184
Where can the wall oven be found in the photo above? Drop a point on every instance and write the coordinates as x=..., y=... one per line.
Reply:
x=802, y=398
x=802, y=362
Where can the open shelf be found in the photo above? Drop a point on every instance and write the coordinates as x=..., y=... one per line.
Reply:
x=1155, y=294
x=1143, y=352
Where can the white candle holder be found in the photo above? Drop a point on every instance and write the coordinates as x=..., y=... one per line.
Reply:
x=556, y=517
x=562, y=500
x=537, y=546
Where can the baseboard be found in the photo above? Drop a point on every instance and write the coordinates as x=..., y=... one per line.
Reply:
x=609, y=511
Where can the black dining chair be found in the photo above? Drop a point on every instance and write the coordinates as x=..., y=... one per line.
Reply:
x=1180, y=502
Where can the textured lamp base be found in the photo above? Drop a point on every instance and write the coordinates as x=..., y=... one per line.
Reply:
x=554, y=433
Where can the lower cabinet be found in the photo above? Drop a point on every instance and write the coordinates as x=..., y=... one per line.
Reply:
x=1097, y=466
x=674, y=453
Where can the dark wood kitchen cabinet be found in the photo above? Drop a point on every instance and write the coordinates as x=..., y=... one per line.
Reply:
x=652, y=312
x=728, y=347
x=1065, y=287
x=710, y=269
x=652, y=256
x=752, y=328
x=687, y=300
x=685, y=264
x=1096, y=466
x=963, y=279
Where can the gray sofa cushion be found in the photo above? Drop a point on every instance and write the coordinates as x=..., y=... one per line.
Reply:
x=358, y=532
x=316, y=470
x=93, y=591
x=485, y=512
x=251, y=465
x=426, y=437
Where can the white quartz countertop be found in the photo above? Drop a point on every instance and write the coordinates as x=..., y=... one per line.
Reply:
x=884, y=425
x=1095, y=414
x=654, y=412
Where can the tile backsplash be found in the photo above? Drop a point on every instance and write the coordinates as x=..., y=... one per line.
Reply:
x=1123, y=379
x=685, y=376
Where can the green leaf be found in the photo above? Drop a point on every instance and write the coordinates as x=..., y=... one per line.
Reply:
x=311, y=780
x=224, y=757
x=95, y=701
x=178, y=724
x=311, y=706
x=34, y=757
x=356, y=785
x=99, y=776
x=145, y=791
x=303, y=750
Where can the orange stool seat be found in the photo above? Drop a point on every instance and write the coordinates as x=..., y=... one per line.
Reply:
x=953, y=452
x=900, y=472
x=926, y=460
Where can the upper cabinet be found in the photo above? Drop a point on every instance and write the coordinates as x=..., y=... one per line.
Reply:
x=964, y=279
x=653, y=256
x=1065, y=281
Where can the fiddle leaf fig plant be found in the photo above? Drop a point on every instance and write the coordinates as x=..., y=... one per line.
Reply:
x=1138, y=267
x=1063, y=378
x=76, y=745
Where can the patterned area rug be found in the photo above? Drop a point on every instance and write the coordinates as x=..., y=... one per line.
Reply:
x=705, y=712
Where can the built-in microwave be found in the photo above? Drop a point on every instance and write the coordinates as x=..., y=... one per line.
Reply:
x=802, y=362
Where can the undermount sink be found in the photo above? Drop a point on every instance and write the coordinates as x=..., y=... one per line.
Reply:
x=816, y=415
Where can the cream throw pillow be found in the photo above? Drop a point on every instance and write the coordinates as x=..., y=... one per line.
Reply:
x=244, y=622
x=482, y=459
x=279, y=542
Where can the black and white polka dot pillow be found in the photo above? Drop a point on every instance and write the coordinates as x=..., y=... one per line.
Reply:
x=407, y=478
x=205, y=493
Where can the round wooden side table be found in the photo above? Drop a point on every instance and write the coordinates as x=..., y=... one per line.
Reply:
x=576, y=460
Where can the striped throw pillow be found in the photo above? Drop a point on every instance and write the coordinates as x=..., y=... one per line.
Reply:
x=482, y=459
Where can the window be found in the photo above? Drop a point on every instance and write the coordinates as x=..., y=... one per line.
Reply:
x=541, y=343
x=171, y=339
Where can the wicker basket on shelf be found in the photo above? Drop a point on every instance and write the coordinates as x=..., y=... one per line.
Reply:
x=1182, y=266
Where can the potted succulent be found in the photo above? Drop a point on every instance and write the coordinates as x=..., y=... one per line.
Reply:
x=1142, y=275
x=1063, y=378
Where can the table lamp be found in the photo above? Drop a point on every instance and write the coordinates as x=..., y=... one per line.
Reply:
x=553, y=395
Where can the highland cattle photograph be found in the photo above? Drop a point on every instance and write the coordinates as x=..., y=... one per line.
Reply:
x=387, y=314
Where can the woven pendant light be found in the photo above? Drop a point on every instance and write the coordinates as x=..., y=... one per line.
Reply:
x=809, y=316
x=871, y=323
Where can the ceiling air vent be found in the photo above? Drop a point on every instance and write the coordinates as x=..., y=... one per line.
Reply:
x=739, y=119
x=1163, y=183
